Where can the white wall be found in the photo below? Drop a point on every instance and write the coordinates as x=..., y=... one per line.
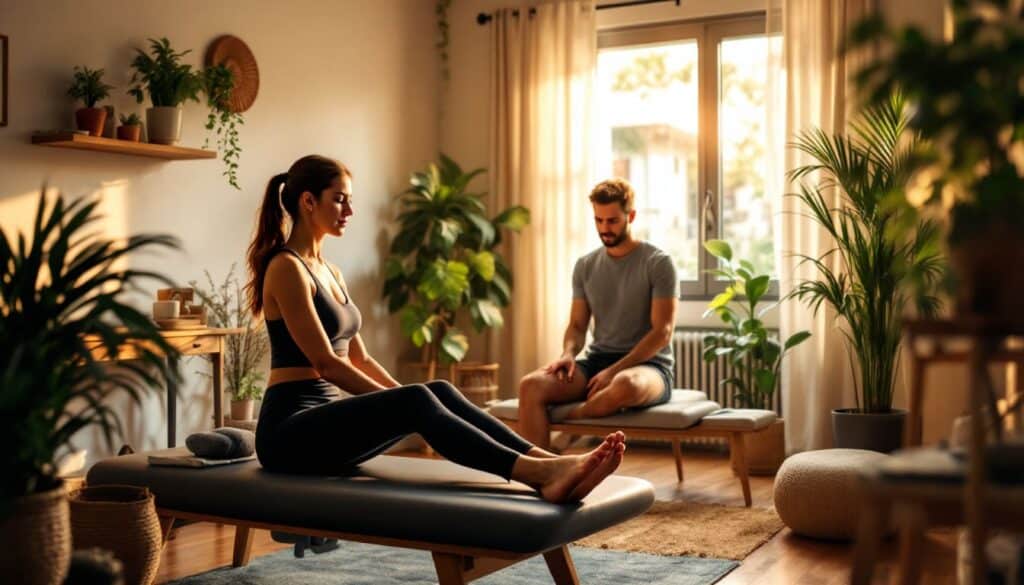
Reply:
x=355, y=80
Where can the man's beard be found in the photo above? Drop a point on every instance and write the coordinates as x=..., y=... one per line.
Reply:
x=616, y=240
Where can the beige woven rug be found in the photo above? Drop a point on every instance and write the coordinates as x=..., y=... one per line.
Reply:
x=687, y=528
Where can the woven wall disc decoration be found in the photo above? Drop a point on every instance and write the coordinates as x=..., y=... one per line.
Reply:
x=232, y=52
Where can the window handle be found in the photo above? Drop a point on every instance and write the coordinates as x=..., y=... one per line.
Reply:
x=710, y=219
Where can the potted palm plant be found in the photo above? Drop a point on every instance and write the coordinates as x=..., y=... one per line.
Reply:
x=244, y=352
x=88, y=87
x=61, y=311
x=444, y=262
x=755, y=354
x=970, y=170
x=867, y=277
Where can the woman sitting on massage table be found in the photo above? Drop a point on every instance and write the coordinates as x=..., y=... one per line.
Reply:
x=305, y=426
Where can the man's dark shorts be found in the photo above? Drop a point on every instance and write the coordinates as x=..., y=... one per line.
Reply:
x=593, y=362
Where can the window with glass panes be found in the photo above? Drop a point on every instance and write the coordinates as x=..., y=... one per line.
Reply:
x=682, y=113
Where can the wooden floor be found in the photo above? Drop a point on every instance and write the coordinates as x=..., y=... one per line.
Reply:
x=786, y=559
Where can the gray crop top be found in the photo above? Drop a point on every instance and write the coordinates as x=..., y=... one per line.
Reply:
x=341, y=322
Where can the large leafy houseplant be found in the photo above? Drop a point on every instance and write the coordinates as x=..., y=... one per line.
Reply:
x=967, y=102
x=754, y=353
x=244, y=352
x=61, y=311
x=866, y=277
x=444, y=261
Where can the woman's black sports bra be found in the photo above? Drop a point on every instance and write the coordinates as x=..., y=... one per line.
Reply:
x=341, y=322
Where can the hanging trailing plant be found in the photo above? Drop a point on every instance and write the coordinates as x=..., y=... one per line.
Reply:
x=441, y=11
x=218, y=82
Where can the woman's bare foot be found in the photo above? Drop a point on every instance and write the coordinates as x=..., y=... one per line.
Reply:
x=570, y=471
x=610, y=439
x=607, y=467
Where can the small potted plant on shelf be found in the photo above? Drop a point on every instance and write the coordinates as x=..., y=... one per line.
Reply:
x=88, y=87
x=244, y=352
x=130, y=128
x=61, y=313
x=444, y=262
x=169, y=83
x=755, y=354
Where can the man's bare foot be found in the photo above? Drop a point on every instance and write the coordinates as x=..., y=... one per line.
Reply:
x=607, y=467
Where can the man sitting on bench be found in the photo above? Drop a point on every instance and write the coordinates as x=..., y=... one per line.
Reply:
x=629, y=287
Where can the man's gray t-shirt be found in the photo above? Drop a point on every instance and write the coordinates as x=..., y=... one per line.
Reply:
x=619, y=292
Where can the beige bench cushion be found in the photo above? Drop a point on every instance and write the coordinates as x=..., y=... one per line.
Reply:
x=685, y=409
x=738, y=419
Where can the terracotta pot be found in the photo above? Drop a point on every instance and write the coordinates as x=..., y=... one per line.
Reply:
x=765, y=450
x=163, y=124
x=242, y=409
x=91, y=119
x=130, y=133
x=123, y=520
x=987, y=275
x=36, y=538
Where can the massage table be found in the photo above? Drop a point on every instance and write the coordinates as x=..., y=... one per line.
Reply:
x=687, y=414
x=473, y=523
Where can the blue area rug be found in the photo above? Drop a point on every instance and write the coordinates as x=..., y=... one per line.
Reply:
x=365, y=564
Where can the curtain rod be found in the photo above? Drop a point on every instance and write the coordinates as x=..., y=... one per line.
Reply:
x=484, y=17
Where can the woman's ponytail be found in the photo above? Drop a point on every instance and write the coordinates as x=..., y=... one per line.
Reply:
x=312, y=173
x=269, y=236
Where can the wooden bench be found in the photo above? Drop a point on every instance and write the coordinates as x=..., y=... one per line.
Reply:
x=688, y=414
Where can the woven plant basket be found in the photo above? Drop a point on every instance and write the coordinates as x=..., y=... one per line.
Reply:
x=123, y=520
x=36, y=539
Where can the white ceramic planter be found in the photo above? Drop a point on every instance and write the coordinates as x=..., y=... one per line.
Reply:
x=163, y=125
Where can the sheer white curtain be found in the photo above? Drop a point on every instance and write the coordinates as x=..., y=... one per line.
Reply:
x=818, y=92
x=542, y=68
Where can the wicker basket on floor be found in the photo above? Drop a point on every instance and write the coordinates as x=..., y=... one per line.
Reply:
x=477, y=381
x=123, y=520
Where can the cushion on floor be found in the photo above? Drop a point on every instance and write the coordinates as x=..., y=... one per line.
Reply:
x=407, y=498
x=818, y=493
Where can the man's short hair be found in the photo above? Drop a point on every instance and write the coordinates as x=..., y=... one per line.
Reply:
x=614, y=191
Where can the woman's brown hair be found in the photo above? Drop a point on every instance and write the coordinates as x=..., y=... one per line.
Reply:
x=311, y=173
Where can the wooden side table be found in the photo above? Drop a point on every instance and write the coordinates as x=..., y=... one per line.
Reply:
x=206, y=341
x=988, y=342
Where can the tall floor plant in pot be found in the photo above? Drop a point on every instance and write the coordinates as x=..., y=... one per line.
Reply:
x=866, y=278
x=61, y=310
x=445, y=264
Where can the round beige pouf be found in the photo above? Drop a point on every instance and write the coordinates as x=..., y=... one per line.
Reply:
x=817, y=493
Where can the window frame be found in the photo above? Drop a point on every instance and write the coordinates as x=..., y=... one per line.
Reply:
x=708, y=33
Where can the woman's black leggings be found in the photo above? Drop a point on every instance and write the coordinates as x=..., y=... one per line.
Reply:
x=306, y=427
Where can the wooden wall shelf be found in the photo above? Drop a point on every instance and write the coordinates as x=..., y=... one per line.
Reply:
x=98, y=143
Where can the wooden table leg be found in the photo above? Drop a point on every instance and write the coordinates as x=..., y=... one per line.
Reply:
x=449, y=569
x=974, y=493
x=911, y=543
x=218, y=386
x=678, y=453
x=243, y=546
x=914, y=427
x=874, y=518
x=561, y=566
x=739, y=455
x=172, y=409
